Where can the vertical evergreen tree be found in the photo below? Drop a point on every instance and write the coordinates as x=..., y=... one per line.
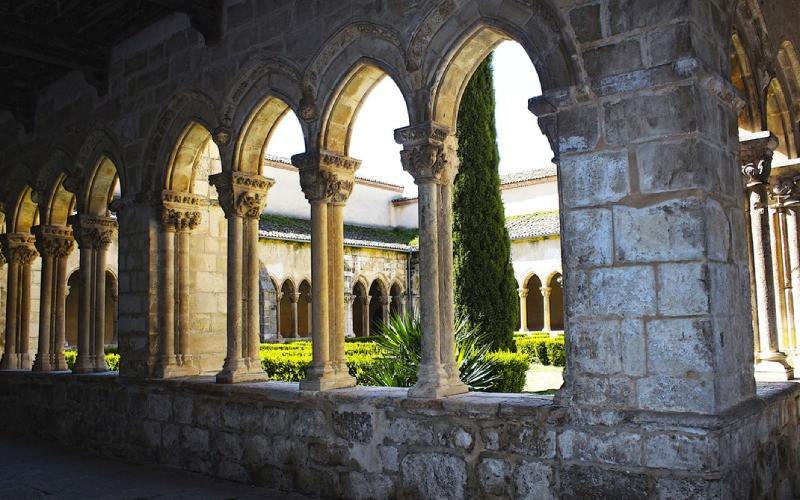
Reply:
x=485, y=289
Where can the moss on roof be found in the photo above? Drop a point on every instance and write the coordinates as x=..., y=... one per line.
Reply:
x=281, y=227
x=533, y=225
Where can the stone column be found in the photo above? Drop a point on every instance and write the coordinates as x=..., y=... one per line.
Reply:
x=546, y=307
x=54, y=244
x=19, y=251
x=295, y=298
x=310, y=320
x=523, y=309
x=94, y=234
x=278, y=297
x=327, y=180
x=242, y=197
x=386, y=305
x=787, y=193
x=349, y=298
x=433, y=165
x=756, y=158
x=178, y=215
x=365, y=326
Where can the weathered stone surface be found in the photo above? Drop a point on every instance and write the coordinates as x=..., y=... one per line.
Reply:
x=594, y=179
x=594, y=482
x=625, y=291
x=586, y=23
x=595, y=346
x=363, y=485
x=639, y=118
x=494, y=475
x=676, y=394
x=680, y=451
x=693, y=340
x=433, y=475
x=353, y=426
x=592, y=238
x=533, y=481
x=405, y=430
x=579, y=130
x=614, y=58
x=683, y=289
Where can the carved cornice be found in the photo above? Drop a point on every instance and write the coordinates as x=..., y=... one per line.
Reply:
x=19, y=248
x=241, y=194
x=756, y=157
x=177, y=211
x=93, y=231
x=54, y=241
x=326, y=177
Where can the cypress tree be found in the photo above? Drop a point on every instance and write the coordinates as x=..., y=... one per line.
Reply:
x=485, y=289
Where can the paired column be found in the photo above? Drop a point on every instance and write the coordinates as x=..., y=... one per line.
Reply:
x=756, y=157
x=294, y=299
x=94, y=234
x=54, y=243
x=546, y=307
x=327, y=181
x=19, y=251
x=178, y=215
x=386, y=304
x=429, y=156
x=243, y=197
x=278, y=298
x=523, y=309
x=349, y=298
x=786, y=193
x=365, y=325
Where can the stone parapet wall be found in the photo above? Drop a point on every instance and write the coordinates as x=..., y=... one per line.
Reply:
x=377, y=443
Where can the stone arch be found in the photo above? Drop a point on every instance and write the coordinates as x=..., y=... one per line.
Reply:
x=355, y=42
x=99, y=188
x=58, y=203
x=352, y=90
x=188, y=107
x=24, y=212
x=98, y=144
x=396, y=292
x=538, y=32
x=304, y=308
x=251, y=144
x=360, y=318
x=779, y=120
x=377, y=312
x=534, y=302
x=744, y=80
x=556, y=299
x=287, y=326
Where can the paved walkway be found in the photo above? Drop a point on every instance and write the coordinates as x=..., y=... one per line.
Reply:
x=31, y=469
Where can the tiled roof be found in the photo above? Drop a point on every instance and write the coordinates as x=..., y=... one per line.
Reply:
x=533, y=225
x=288, y=228
x=529, y=175
x=288, y=161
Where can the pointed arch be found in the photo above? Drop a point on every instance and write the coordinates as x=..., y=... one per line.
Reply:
x=779, y=120
x=744, y=80
x=251, y=145
x=57, y=202
x=181, y=172
x=99, y=144
x=99, y=188
x=24, y=212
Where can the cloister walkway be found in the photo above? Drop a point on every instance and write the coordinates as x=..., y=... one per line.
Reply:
x=33, y=469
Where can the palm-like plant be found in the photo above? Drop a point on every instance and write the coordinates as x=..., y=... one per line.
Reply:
x=400, y=340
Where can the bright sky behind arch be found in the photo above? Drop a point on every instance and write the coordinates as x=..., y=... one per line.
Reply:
x=522, y=145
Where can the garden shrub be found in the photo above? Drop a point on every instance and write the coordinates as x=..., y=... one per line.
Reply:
x=281, y=364
x=70, y=355
x=112, y=358
x=543, y=350
x=509, y=369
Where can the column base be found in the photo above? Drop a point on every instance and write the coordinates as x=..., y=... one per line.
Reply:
x=241, y=370
x=42, y=363
x=15, y=361
x=326, y=377
x=175, y=366
x=434, y=383
x=83, y=364
x=58, y=362
x=100, y=364
x=773, y=368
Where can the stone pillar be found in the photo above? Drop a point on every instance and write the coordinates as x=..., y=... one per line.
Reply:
x=365, y=326
x=278, y=297
x=94, y=234
x=327, y=180
x=349, y=298
x=19, y=251
x=786, y=192
x=242, y=197
x=295, y=298
x=178, y=215
x=386, y=305
x=433, y=164
x=523, y=309
x=310, y=320
x=756, y=158
x=545, y=290
x=54, y=244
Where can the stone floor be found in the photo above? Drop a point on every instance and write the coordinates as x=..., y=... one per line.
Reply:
x=30, y=469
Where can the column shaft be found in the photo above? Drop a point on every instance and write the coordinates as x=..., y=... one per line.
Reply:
x=523, y=309
x=25, y=318
x=100, y=310
x=167, y=355
x=59, y=363
x=295, y=319
x=336, y=256
x=233, y=360
x=83, y=362
x=793, y=249
x=545, y=291
x=253, y=337
x=446, y=287
x=12, y=304
x=43, y=359
x=184, y=317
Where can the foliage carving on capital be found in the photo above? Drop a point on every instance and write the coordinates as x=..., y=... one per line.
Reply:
x=54, y=241
x=19, y=248
x=756, y=158
x=178, y=211
x=326, y=177
x=428, y=152
x=242, y=194
x=94, y=232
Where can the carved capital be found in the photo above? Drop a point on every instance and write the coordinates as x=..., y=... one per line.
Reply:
x=785, y=189
x=386, y=300
x=177, y=211
x=756, y=157
x=349, y=298
x=73, y=184
x=428, y=152
x=295, y=297
x=241, y=194
x=325, y=176
x=19, y=248
x=523, y=292
x=54, y=241
x=93, y=231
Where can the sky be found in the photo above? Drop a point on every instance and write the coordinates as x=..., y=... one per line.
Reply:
x=522, y=145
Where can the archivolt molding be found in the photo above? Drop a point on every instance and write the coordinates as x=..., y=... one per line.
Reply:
x=98, y=144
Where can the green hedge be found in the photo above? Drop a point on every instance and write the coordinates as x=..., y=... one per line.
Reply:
x=112, y=358
x=510, y=368
x=544, y=350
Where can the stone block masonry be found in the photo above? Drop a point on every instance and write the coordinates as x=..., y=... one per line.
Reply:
x=369, y=442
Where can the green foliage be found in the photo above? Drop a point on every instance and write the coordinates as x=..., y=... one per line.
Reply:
x=485, y=289
x=509, y=369
x=283, y=364
x=542, y=349
x=70, y=355
x=112, y=358
x=111, y=349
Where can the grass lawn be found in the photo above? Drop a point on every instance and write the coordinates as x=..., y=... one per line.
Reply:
x=543, y=379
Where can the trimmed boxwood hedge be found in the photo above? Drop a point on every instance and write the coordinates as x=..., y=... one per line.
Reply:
x=112, y=358
x=544, y=350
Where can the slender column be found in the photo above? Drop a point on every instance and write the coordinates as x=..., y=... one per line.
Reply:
x=327, y=180
x=54, y=244
x=100, y=364
x=546, y=307
x=242, y=197
x=433, y=166
x=166, y=358
x=386, y=304
x=19, y=251
x=756, y=156
x=295, y=298
x=59, y=363
x=184, y=319
x=786, y=192
x=278, y=297
x=776, y=252
x=365, y=326
x=523, y=309
x=83, y=361
x=793, y=247
x=349, y=298
x=310, y=320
